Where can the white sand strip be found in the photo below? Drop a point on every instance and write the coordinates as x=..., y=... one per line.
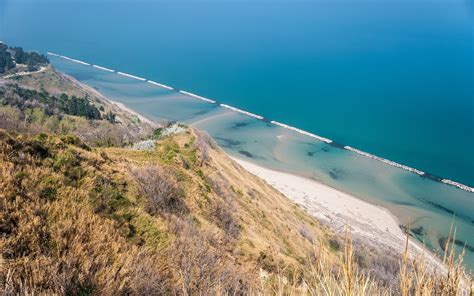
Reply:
x=339, y=210
x=103, y=68
x=197, y=97
x=160, y=85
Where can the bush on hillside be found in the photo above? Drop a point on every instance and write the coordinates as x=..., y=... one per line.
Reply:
x=162, y=193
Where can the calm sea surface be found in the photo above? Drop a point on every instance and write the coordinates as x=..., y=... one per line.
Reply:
x=393, y=78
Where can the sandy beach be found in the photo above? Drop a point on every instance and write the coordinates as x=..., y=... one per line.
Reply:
x=341, y=211
x=107, y=100
x=370, y=223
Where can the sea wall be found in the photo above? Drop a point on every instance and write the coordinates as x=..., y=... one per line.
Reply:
x=303, y=132
x=103, y=68
x=197, y=97
x=283, y=125
x=242, y=112
x=160, y=85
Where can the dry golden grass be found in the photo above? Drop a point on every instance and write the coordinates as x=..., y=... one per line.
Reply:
x=87, y=218
x=182, y=219
x=51, y=81
x=324, y=276
x=99, y=132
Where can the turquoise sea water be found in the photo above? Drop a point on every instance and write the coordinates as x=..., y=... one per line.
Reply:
x=427, y=206
x=394, y=78
x=390, y=77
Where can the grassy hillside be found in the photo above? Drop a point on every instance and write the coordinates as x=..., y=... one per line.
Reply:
x=93, y=206
x=50, y=102
x=181, y=218
x=106, y=220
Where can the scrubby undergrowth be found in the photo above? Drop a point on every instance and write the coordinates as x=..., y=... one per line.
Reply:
x=181, y=219
x=84, y=212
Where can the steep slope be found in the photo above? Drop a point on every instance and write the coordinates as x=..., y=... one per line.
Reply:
x=103, y=220
x=107, y=202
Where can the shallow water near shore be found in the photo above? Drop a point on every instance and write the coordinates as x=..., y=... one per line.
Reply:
x=390, y=77
x=426, y=206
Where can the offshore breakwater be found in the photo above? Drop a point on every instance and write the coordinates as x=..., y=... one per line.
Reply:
x=294, y=129
x=425, y=207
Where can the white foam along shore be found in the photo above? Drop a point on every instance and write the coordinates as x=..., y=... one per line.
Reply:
x=386, y=161
x=303, y=132
x=197, y=97
x=131, y=76
x=242, y=111
x=340, y=210
x=160, y=85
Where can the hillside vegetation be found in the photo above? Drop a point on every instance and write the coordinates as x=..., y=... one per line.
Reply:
x=95, y=206
x=179, y=219
x=118, y=220
x=11, y=57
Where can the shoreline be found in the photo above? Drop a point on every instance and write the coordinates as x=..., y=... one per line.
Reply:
x=388, y=236
x=423, y=174
x=109, y=101
x=391, y=238
x=312, y=197
x=340, y=210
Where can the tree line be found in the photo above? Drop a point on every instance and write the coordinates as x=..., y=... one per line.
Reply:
x=11, y=55
x=23, y=98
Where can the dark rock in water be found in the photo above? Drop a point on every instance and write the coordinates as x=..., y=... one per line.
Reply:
x=336, y=173
x=250, y=155
x=323, y=149
x=461, y=244
x=445, y=209
x=228, y=143
x=403, y=228
x=202, y=112
x=403, y=203
x=418, y=231
x=246, y=153
x=442, y=242
x=240, y=124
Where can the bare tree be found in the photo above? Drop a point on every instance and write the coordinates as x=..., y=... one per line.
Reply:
x=163, y=194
